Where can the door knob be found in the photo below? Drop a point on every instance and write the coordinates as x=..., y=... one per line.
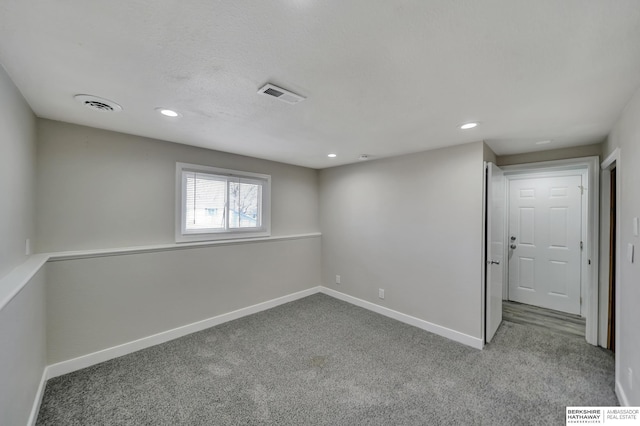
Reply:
x=513, y=246
x=493, y=262
x=513, y=238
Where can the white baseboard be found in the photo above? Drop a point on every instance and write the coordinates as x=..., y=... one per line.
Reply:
x=84, y=361
x=94, y=358
x=622, y=397
x=465, y=339
x=35, y=409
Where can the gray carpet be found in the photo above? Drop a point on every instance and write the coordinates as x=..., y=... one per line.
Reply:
x=320, y=361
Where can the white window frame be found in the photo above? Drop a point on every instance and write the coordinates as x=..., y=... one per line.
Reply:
x=182, y=235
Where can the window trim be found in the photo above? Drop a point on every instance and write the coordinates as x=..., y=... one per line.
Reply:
x=232, y=233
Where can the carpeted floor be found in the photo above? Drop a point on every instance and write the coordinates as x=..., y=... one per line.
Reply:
x=320, y=361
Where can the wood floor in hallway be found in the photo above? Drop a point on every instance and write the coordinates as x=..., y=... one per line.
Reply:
x=557, y=321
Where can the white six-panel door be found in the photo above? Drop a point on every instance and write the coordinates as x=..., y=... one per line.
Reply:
x=544, y=237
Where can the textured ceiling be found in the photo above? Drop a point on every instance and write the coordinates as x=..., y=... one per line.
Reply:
x=381, y=77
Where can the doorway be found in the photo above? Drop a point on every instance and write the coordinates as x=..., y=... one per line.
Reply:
x=573, y=185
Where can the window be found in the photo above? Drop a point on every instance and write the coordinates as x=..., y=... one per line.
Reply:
x=216, y=204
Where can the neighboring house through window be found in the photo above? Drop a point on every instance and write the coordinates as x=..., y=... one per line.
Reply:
x=214, y=203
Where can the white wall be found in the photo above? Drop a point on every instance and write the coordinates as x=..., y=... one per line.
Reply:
x=413, y=226
x=22, y=327
x=22, y=351
x=102, y=189
x=552, y=154
x=95, y=304
x=99, y=189
x=17, y=174
x=488, y=154
x=626, y=136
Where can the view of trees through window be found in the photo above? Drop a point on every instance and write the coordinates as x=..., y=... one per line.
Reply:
x=220, y=202
x=243, y=205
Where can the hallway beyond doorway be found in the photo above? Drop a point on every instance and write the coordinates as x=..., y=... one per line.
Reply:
x=557, y=321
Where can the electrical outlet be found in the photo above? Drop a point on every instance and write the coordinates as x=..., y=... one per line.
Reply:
x=630, y=379
x=381, y=293
x=337, y=279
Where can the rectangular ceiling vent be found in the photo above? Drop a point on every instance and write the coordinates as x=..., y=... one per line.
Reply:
x=280, y=93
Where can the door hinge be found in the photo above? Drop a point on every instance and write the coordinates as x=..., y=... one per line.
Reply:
x=580, y=300
x=581, y=189
x=581, y=245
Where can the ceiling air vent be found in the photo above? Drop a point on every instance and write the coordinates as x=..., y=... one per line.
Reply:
x=281, y=94
x=98, y=104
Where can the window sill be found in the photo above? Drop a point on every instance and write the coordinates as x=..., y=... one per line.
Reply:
x=221, y=236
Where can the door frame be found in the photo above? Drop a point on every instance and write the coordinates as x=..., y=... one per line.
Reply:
x=613, y=160
x=590, y=267
x=483, y=265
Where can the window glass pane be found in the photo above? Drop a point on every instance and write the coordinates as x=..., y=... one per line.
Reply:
x=204, y=201
x=244, y=201
x=218, y=203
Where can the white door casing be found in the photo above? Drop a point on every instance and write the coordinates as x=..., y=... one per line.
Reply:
x=545, y=234
x=496, y=202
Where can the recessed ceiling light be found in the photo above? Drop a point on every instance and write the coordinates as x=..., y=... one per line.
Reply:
x=168, y=112
x=543, y=142
x=332, y=155
x=467, y=126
